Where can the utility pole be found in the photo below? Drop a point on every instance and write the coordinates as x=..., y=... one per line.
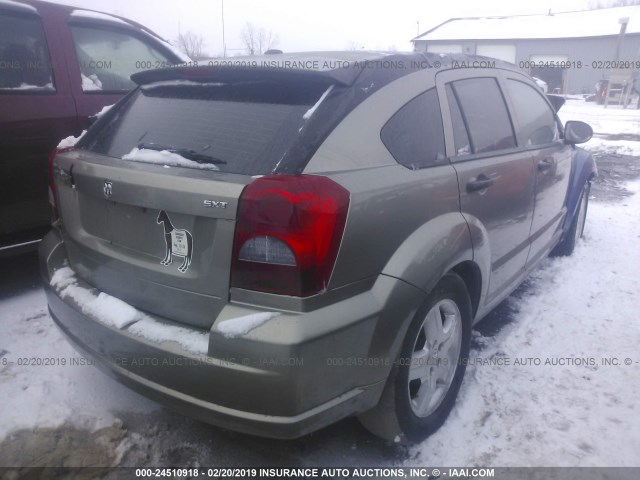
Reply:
x=623, y=21
x=224, y=45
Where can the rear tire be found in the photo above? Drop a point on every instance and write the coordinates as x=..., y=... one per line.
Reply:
x=425, y=380
x=576, y=230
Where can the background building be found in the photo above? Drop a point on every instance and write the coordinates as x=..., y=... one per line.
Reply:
x=583, y=43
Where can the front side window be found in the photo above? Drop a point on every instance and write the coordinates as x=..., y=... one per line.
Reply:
x=107, y=58
x=537, y=120
x=25, y=64
x=485, y=114
x=414, y=135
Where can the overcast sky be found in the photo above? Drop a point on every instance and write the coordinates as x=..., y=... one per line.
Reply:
x=305, y=25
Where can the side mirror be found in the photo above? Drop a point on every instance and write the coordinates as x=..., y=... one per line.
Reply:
x=576, y=132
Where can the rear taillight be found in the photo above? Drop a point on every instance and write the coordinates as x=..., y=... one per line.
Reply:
x=52, y=184
x=288, y=234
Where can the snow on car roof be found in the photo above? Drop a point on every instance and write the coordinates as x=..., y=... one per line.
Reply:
x=587, y=23
x=18, y=6
x=98, y=16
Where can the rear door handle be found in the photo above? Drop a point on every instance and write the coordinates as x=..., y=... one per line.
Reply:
x=479, y=183
x=546, y=164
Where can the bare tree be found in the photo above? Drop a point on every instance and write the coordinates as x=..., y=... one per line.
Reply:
x=256, y=40
x=352, y=46
x=192, y=44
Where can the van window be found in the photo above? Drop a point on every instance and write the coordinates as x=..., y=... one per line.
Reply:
x=25, y=64
x=107, y=58
x=414, y=135
x=485, y=114
x=537, y=120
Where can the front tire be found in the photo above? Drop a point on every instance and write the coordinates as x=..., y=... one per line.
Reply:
x=424, y=382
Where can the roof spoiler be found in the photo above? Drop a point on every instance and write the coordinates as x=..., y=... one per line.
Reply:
x=236, y=74
x=557, y=101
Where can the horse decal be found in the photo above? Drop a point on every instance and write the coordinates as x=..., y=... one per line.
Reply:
x=179, y=243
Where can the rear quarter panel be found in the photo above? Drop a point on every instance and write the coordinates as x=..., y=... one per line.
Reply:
x=402, y=223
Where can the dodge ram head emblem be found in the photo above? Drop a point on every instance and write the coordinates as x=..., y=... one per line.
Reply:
x=108, y=188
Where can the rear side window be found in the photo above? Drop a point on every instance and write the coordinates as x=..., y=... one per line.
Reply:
x=414, y=135
x=107, y=58
x=485, y=114
x=25, y=64
x=245, y=128
x=537, y=120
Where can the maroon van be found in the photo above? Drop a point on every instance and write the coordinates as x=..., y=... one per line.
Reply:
x=59, y=65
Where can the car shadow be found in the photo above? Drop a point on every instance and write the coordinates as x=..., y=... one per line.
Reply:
x=501, y=316
x=165, y=438
x=21, y=274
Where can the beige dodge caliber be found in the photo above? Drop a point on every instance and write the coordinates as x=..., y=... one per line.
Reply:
x=275, y=243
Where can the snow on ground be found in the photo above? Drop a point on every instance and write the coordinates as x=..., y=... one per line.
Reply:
x=612, y=120
x=616, y=130
x=575, y=312
x=44, y=382
x=540, y=392
x=564, y=406
x=615, y=147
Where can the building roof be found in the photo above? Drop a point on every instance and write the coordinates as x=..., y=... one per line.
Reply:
x=586, y=23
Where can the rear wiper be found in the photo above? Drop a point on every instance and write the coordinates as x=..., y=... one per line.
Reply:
x=187, y=153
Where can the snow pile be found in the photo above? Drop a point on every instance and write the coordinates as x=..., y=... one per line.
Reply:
x=613, y=147
x=62, y=278
x=104, y=308
x=113, y=312
x=236, y=327
x=27, y=86
x=313, y=109
x=104, y=110
x=70, y=141
x=571, y=408
x=194, y=342
x=91, y=82
x=45, y=383
x=165, y=158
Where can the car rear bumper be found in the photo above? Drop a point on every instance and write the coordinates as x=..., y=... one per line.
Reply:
x=290, y=376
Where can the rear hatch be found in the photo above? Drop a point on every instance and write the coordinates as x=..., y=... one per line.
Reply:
x=149, y=197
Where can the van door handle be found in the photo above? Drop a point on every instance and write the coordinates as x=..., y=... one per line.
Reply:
x=546, y=164
x=479, y=183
